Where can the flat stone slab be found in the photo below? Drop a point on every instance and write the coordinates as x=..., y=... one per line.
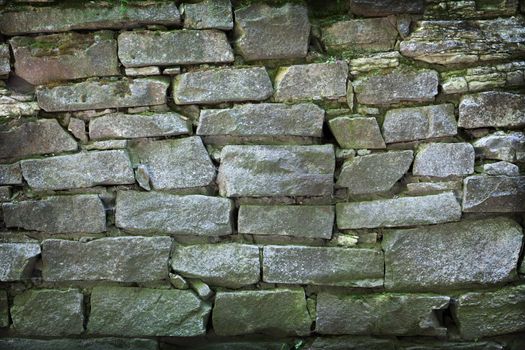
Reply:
x=17, y=260
x=279, y=311
x=259, y=171
x=357, y=132
x=145, y=312
x=379, y=8
x=229, y=265
x=58, y=214
x=500, y=146
x=351, y=342
x=444, y=159
x=499, y=194
x=343, y=267
x=466, y=254
x=208, y=14
x=154, y=212
x=79, y=344
x=10, y=174
x=307, y=221
x=492, y=109
x=403, y=211
x=119, y=259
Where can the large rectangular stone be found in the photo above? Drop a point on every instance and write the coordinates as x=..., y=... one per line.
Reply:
x=17, y=260
x=258, y=171
x=208, y=14
x=344, y=267
x=444, y=159
x=120, y=259
x=10, y=174
x=403, y=211
x=499, y=194
x=492, y=109
x=78, y=344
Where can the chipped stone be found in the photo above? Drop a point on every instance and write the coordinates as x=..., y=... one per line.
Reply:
x=78, y=128
x=208, y=14
x=378, y=8
x=492, y=109
x=501, y=146
x=501, y=168
x=357, y=132
x=17, y=260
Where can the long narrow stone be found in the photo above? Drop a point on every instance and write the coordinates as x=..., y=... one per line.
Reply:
x=105, y=343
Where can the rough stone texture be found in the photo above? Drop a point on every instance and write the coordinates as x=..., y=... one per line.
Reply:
x=17, y=260
x=403, y=211
x=263, y=32
x=78, y=344
x=59, y=214
x=466, y=254
x=222, y=85
x=126, y=126
x=48, y=58
x=137, y=312
x=423, y=188
x=345, y=267
x=4, y=310
x=103, y=94
x=444, y=159
x=489, y=313
x=315, y=81
x=258, y=171
x=175, y=164
x=142, y=71
x=501, y=146
x=86, y=169
x=48, y=312
x=374, y=173
x=378, y=8
x=10, y=174
x=373, y=62
x=18, y=109
x=165, y=213
x=351, y=343
x=492, y=109
x=226, y=265
x=444, y=9
x=35, y=138
x=380, y=314
x=280, y=311
x=416, y=123
x=494, y=194
x=120, y=259
x=5, y=57
x=430, y=344
x=78, y=128
x=149, y=48
x=287, y=220
x=208, y=14
x=357, y=132
x=501, y=168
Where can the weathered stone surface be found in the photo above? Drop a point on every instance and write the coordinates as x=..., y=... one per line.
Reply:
x=264, y=32
x=48, y=58
x=465, y=254
x=380, y=314
x=103, y=94
x=120, y=259
x=501, y=168
x=59, y=214
x=48, y=312
x=18, y=109
x=401, y=85
x=374, y=173
x=166, y=213
x=222, y=85
x=137, y=312
x=416, y=123
x=35, y=138
x=315, y=81
x=10, y=174
x=142, y=71
x=489, y=313
x=208, y=14
x=287, y=220
x=357, y=132
x=501, y=146
x=78, y=128
x=202, y=289
x=445, y=9
x=78, y=344
x=279, y=311
x=5, y=193
x=494, y=194
x=444, y=159
x=493, y=109
x=4, y=310
x=230, y=265
x=345, y=267
x=373, y=62
x=107, y=145
x=149, y=48
x=351, y=343
x=82, y=16
x=258, y=171
x=5, y=58
x=430, y=344
x=17, y=260
x=175, y=164
x=403, y=211
x=375, y=8
x=424, y=188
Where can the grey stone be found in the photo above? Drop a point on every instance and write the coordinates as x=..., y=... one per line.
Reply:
x=352, y=343
x=78, y=128
x=127, y=126
x=222, y=85
x=500, y=145
x=344, y=267
x=5, y=193
x=230, y=265
x=465, y=254
x=492, y=109
x=48, y=312
x=501, y=168
x=287, y=220
x=452, y=9
x=202, y=289
x=120, y=259
x=424, y=188
x=106, y=145
x=4, y=311
x=378, y=8
x=179, y=215
x=403, y=211
x=416, y=123
x=178, y=282
x=142, y=71
x=103, y=94
x=17, y=260
x=315, y=81
x=374, y=62
x=58, y=214
x=279, y=311
x=500, y=194
x=10, y=174
x=357, y=132
x=19, y=109
x=374, y=173
x=137, y=312
x=208, y=14
x=150, y=48
x=78, y=344
x=421, y=344
x=444, y=159
x=259, y=171
x=264, y=32
x=380, y=314
x=5, y=58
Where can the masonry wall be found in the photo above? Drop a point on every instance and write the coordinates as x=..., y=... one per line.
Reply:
x=208, y=175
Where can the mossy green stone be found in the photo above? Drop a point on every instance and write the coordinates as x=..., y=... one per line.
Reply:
x=357, y=132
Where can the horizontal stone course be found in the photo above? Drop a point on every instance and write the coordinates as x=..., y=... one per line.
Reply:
x=444, y=159
x=4, y=310
x=500, y=194
x=208, y=14
x=356, y=131
x=377, y=8
x=501, y=146
x=79, y=344
x=492, y=109
x=17, y=260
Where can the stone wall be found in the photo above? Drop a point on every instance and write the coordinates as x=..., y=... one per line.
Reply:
x=214, y=175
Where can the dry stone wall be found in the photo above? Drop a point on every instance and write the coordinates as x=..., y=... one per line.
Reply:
x=262, y=175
